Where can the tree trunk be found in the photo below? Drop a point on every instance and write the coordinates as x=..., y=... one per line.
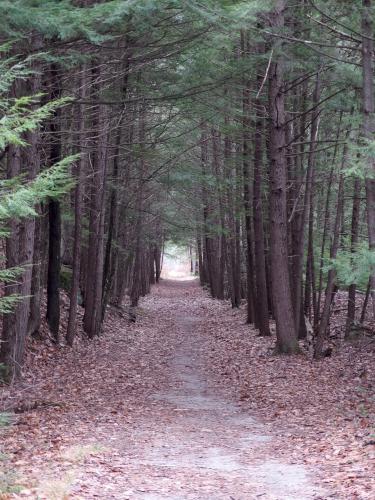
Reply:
x=369, y=123
x=281, y=290
x=260, y=263
x=136, y=288
x=37, y=283
x=54, y=218
x=365, y=302
x=78, y=214
x=330, y=288
x=298, y=258
x=246, y=132
x=350, y=320
x=220, y=255
x=94, y=279
x=12, y=345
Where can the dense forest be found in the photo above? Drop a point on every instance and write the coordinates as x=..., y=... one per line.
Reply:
x=241, y=131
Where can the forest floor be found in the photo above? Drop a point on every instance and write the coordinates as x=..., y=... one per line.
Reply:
x=189, y=403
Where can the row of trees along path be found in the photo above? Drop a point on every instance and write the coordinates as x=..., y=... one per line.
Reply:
x=240, y=130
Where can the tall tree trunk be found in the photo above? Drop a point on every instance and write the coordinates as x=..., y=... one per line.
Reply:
x=229, y=217
x=54, y=265
x=94, y=279
x=38, y=268
x=136, y=287
x=246, y=133
x=298, y=258
x=27, y=227
x=331, y=278
x=11, y=344
x=369, y=122
x=110, y=260
x=220, y=256
x=54, y=218
x=260, y=263
x=78, y=213
x=208, y=244
x=282, y=299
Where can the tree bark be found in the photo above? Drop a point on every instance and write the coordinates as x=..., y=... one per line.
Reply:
x=298, y=258
x=247, y=200
x=11, y=344
x=260, y=263
x=350, y=320
x=369, y=122
x=54, y=218
x=94, y=278
x=78, y=213
x=331, y=278
x=281, y=290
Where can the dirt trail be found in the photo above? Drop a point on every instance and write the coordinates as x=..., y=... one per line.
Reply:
x=209, y=448
x=181, y=439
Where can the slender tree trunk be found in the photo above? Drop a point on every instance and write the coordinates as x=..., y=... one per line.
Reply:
x=39, y=257
x=209, y=255
x=260, y=263
x=369, y=122
x=350, y=320
x=365, y=302
x=311, y=299
x=54, y=218
x=110, y=260
x=202, y=270
x=230, y=218
x=331, y=278
x=157, y=260
x=54, y=265
x=246, y=126
x=136, y=288
x=327, y=219
x=220, y=257
x=78, y=214
x=298, y=259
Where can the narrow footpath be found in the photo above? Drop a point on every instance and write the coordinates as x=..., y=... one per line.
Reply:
x=148, y=421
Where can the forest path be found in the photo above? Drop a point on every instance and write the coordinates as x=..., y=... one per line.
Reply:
x=203, y=446
x=152, y=423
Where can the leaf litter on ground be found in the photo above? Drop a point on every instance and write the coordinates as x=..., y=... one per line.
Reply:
x=74, y=405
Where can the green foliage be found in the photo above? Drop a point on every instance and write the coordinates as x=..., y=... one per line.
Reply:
x=18, y=201
x=8, y=303
x=17, y=196
x=62, y=20
x=20, y=117
x=11, y=274
x=51, y=183
x=354, y=268
x=10, y=69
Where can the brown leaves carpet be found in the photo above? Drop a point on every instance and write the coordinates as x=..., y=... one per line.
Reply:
x=189, y=403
